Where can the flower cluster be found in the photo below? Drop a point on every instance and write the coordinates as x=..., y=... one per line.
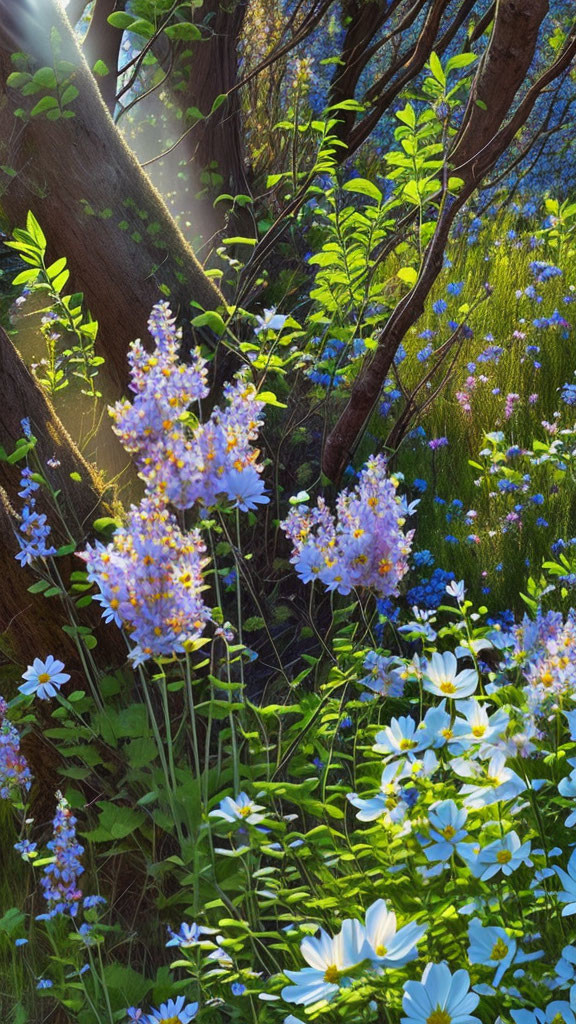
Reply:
x=60, y=877
x=15, y=775
x=150, y=581
x=364, y=546
x=334, y=962
x=33, y=530
x=179, y=458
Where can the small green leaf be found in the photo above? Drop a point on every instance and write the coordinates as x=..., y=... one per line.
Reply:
x=212, y=320
x=120, y=20
x=184, y=30
x=43, y=105
x=364, y=188
x=101, y=69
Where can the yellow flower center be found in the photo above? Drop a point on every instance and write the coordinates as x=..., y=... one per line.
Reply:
x=447, y=686
x=504, y=856
x=558, y=1019
x=331, y=975
x=447, y=733
x=407, y=744
x=245, y=811
x=380, y=950
x=439, y=1016
x=448, y=832
x=478, y=730
x=499, y=950
x=44, y=677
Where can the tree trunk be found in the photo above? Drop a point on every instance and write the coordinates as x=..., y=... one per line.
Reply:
x=30, y=625
x=102, y=42
x=480, y=141
x=96, y=205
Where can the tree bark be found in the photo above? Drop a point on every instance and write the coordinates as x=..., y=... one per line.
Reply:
x=102, y=42
x=481, y=140
x=30, y=625
x=96, y=205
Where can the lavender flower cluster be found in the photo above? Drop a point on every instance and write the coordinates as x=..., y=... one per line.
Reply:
x=179, y=458
x=15, y=775
x=150, y=581
x=364, y=546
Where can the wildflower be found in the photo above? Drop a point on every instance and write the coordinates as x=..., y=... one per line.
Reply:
x=331, y=962
x=440, y=306
x=179, y=459
x=92, y=901
x=15, y=775
x=557, y=1012
x=271, y=321
x=493, y=782
x=175, y=1011
x=32, y=536
x=26, y=849
x=150, y=581
x=390, y=948
x=241, y=808
x=44, y=983
x=568, y=880
x=383, y=675
x=387, y=804
x=438, y=442
x=60, y=878
x=441, y=677
x=363, y=546
x=189, y=935
x=494, y=947
x=401, y=737
x=44, y=678
x=446, y=822
x=440, y=998
x=505, y=854
x=455, y=287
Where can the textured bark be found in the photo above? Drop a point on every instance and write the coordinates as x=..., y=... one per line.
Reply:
x=481, y=140
x=96, y=205
x=365, y=20
x=102, y=42
x=30, y=624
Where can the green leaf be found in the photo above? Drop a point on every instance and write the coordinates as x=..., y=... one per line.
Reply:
x=69, y=94
x=269, y=398
x=34, y=229
x=105, y=523
x=408, y=274
x=212, y=320
x=461, y=60
x=120, y=20
x=101, y=69
x=143, y=27
x=46, y=103
x=218, y=102
x=26, y=276
x=17, y=79
x=364, y=188
x=436, y=68
x=115, y=822
x=45, y=78
x=184, y=30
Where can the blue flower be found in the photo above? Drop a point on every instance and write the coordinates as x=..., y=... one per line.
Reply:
x=44, y=678
x=440, y=306
x=455, y=287
x=175, y=1011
